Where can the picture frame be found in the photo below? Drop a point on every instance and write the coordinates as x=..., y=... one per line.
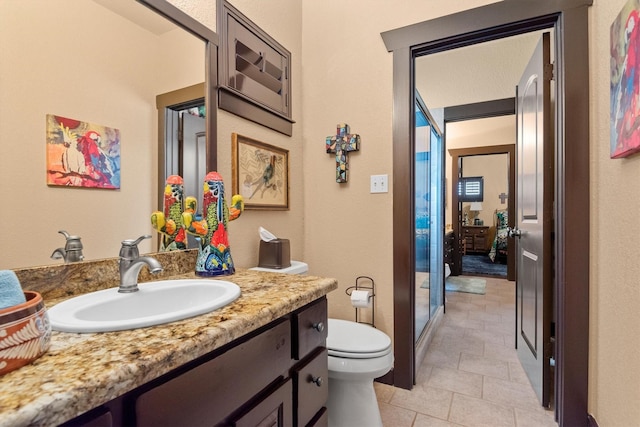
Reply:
x=260, y=173
x=624, y=114
x=82, y=154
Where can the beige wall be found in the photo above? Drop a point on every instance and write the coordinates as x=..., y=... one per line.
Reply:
x=614, y=381
x=243, y=233
x=348, y=78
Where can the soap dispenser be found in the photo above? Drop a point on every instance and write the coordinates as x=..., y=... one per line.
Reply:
x=72, y=251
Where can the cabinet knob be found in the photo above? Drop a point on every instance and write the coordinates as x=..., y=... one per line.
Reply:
x=318, y=326
x=317, y=381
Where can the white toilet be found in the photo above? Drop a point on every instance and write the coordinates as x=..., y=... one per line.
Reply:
x=358, y=353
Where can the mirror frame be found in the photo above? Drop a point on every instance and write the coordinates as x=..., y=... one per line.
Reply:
x=570, y=20
x=189, y=24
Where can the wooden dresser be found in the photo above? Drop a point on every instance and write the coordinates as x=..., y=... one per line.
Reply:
x=475, y=238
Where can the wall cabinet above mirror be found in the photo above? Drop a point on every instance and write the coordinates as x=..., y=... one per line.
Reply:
x=255, y=72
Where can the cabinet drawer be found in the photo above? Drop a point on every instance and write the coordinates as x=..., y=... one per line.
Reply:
x=310, y=328
x=206, y=394
x=310, y=387
x=469, y=231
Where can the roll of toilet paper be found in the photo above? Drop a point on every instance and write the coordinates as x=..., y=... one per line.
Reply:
x=361, y=299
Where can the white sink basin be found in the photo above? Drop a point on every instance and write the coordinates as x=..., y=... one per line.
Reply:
x=154, y=304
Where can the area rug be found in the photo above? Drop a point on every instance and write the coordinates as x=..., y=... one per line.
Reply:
x=482, y=264
x=470, y=285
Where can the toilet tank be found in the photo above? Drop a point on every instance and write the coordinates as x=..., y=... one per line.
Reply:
x=297, y=267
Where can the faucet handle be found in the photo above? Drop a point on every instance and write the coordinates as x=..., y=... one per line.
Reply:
x=135, y=242
x=129, y=248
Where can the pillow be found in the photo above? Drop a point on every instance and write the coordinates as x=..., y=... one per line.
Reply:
x=502, y=219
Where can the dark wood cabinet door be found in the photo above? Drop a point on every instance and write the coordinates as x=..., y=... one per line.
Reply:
x=276, y=410
x=210, y=392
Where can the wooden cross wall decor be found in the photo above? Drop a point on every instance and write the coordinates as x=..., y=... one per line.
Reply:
x=341, y=144
x=503, y=198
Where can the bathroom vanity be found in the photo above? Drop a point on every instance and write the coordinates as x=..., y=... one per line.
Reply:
x=258, y=361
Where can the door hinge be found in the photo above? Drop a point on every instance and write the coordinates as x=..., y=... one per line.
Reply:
x=549, y=72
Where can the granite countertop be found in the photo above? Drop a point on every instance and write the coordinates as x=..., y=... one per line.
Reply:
x=83, y=371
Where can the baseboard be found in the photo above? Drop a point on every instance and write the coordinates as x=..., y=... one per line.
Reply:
x=386, y=378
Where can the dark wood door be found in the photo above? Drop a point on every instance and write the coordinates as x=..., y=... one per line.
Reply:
x=534, y=220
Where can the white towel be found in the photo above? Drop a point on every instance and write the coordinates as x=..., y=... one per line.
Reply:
x=10, y=290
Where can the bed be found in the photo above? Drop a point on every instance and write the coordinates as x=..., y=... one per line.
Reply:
x=498, y=251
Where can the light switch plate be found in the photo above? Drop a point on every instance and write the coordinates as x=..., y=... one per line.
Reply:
x=379, y=183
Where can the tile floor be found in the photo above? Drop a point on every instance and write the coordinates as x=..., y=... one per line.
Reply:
x=471, y=375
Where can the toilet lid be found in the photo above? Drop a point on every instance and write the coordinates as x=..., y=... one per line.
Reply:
x=356, y=340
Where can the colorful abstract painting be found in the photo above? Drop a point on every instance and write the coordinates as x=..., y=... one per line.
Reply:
x=81, y=154
x=625, y=81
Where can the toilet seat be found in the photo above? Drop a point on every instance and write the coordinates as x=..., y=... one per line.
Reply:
x=356, y=340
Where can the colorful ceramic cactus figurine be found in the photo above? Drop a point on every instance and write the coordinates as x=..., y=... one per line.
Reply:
x=214, y=255
x=169, y=222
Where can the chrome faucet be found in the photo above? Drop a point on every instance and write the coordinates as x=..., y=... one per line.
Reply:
x=72, y=251
x=131, y=263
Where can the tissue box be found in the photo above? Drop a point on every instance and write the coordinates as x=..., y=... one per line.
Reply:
x=274, y=254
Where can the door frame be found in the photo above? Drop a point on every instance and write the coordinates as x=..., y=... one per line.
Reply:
x=456, y=155
x=570, y=20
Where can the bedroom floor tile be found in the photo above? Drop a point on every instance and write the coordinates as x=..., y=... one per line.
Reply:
x=471, y=375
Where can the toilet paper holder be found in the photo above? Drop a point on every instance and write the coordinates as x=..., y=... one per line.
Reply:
x=359, y=287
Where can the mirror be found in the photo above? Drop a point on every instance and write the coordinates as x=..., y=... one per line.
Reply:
x=102, y=62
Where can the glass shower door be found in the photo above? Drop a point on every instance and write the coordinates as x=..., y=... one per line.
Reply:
x=429, y=230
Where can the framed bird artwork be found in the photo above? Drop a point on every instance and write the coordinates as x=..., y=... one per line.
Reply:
x=260, y=173
x=81, y=154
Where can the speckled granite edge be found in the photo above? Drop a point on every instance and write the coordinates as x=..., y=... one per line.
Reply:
x=83, y=371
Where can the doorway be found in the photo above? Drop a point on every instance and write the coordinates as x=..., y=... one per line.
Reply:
x=182, y=142
x=457, y=159
x=569, y=19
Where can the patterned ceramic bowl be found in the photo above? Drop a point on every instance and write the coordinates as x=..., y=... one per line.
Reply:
x=25, y=333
